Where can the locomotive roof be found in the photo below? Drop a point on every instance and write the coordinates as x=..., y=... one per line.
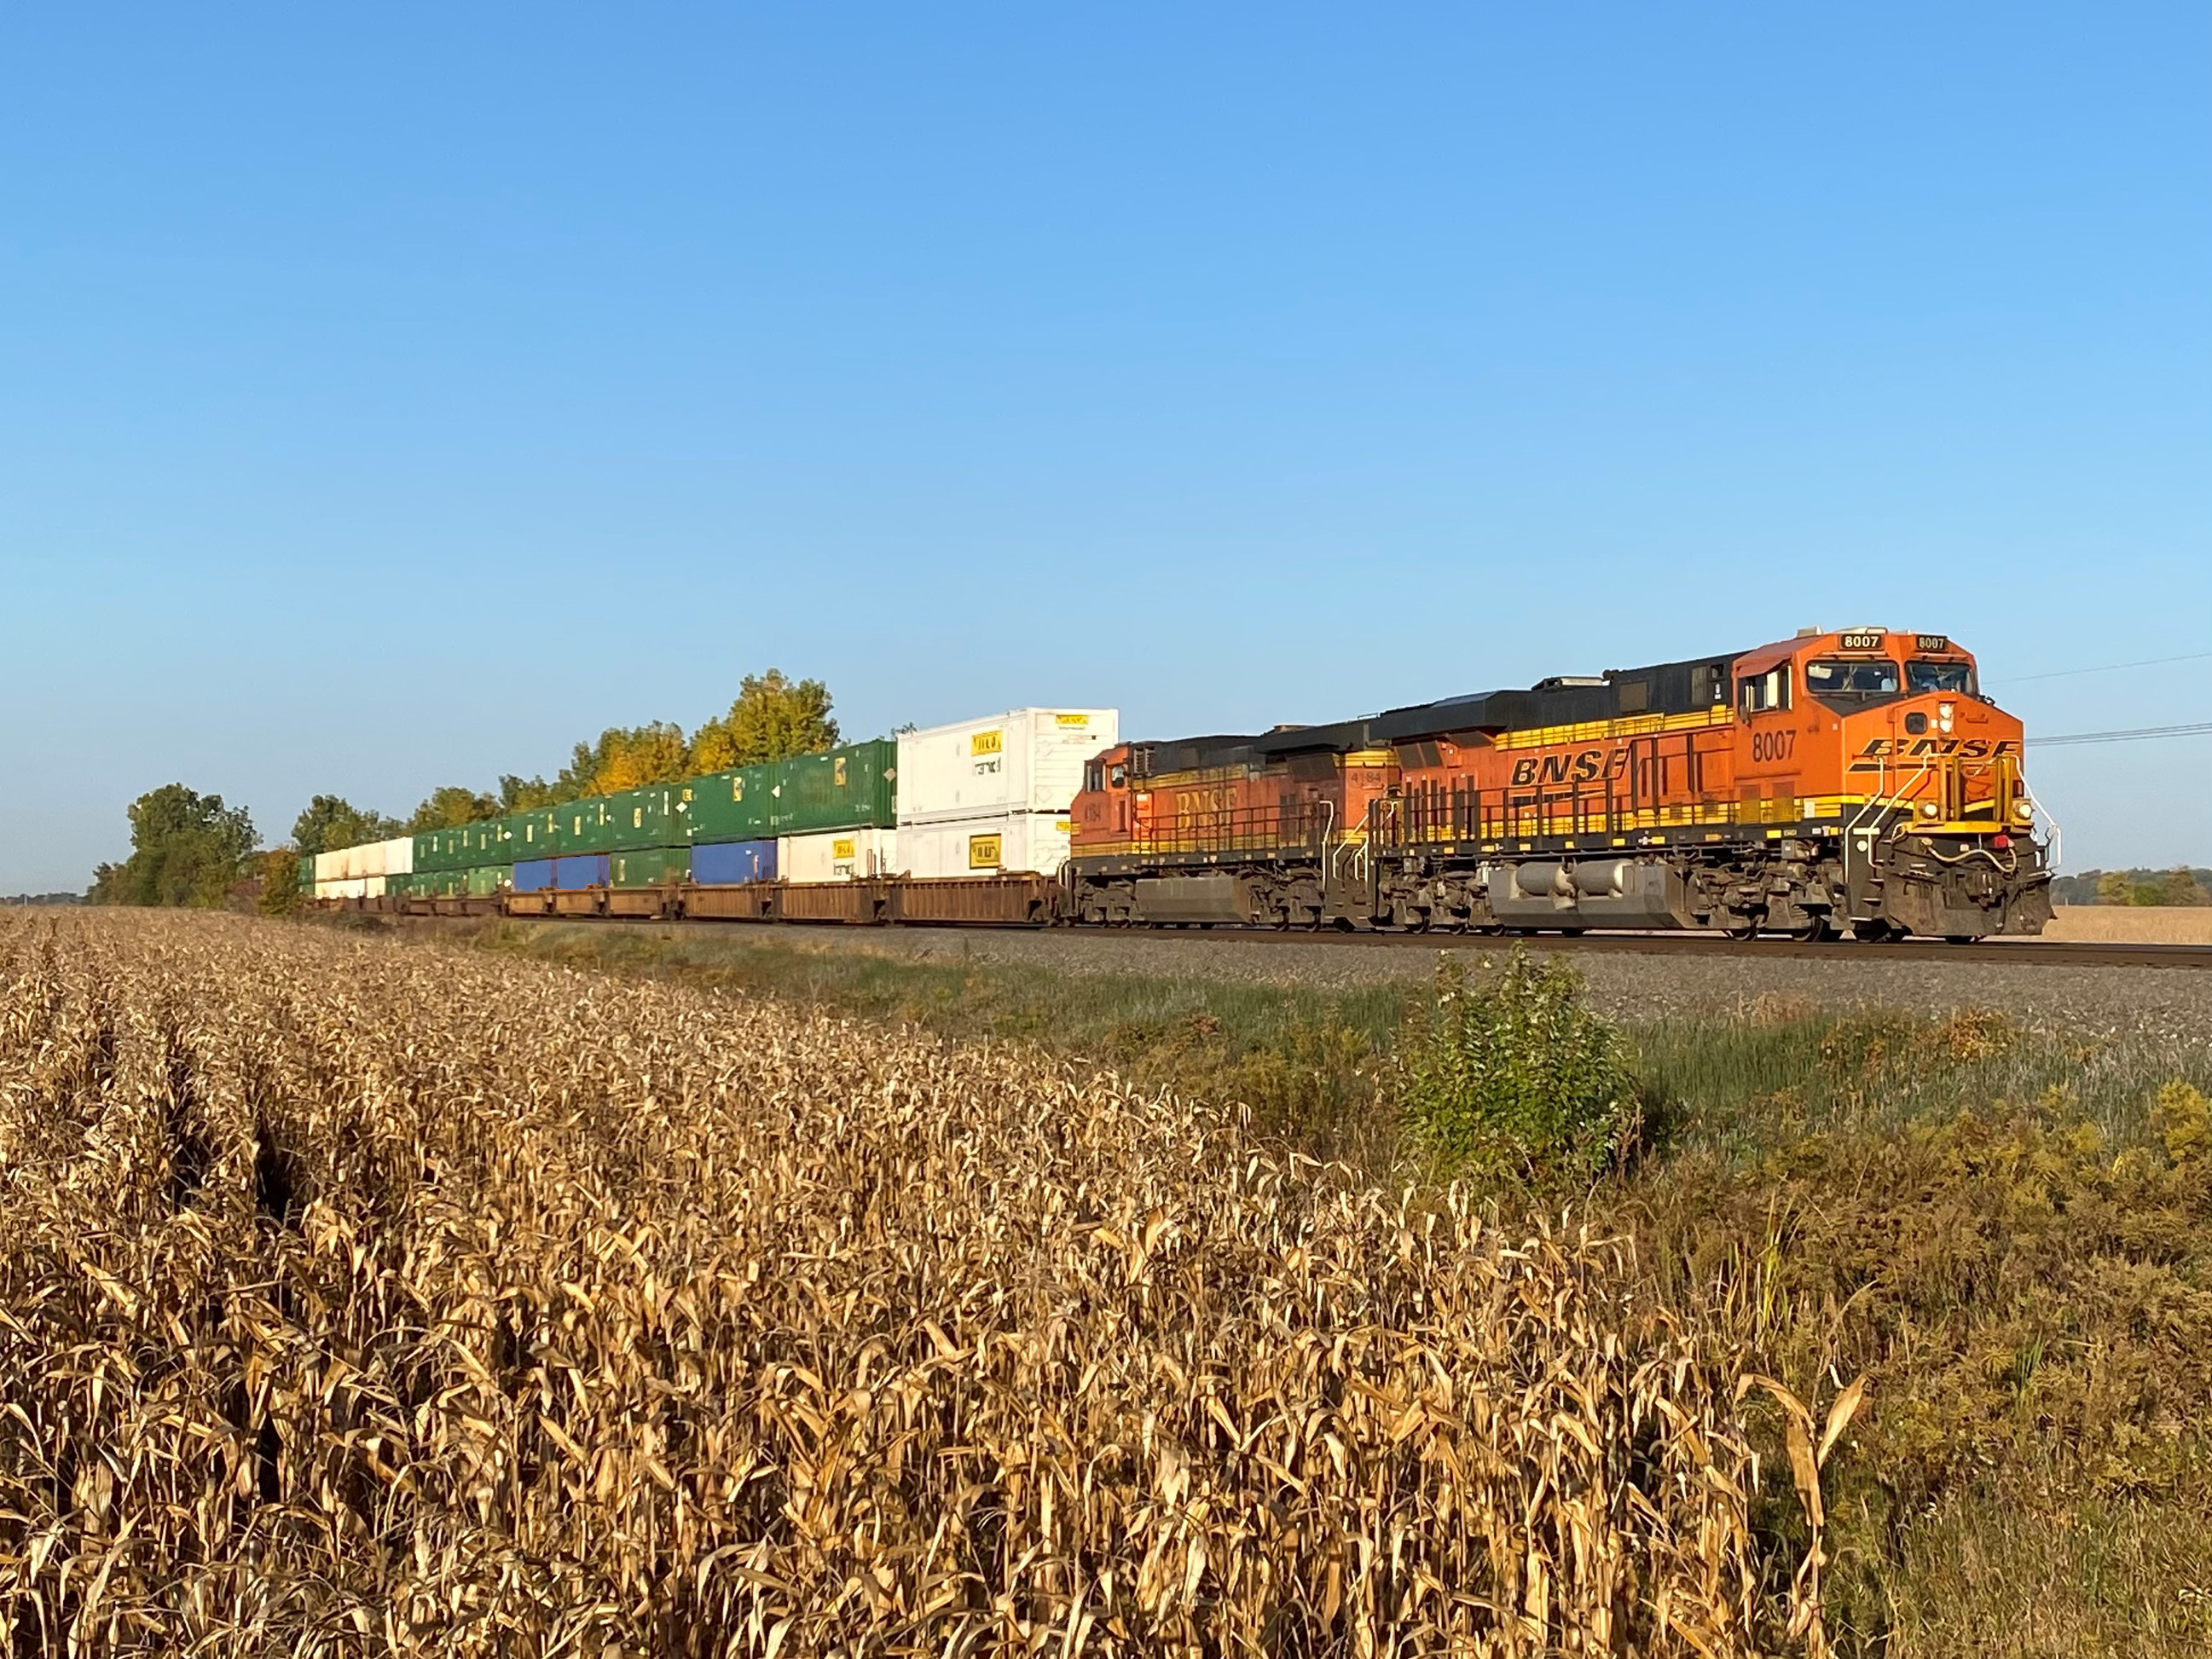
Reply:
x=1666, y=688
x=1193, y=754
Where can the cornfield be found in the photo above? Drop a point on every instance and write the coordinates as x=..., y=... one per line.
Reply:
x=366, y=1297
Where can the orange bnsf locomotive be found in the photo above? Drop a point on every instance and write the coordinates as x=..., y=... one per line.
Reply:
x=1837, y=782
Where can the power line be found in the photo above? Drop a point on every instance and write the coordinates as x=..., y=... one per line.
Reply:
x=2107, y=668
x=2202, y=728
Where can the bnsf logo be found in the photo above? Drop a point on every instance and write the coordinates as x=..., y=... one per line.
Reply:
x=1579, y=766
x=1197, y=809
x=1915, y=748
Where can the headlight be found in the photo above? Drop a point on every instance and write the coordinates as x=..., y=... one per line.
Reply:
x=2022, y=812
x=1927, y=809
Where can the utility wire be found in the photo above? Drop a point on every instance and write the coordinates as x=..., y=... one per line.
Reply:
x=2202, y=728
x=2107, y=668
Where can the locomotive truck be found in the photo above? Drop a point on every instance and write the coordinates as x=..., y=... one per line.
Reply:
x=1855, y=781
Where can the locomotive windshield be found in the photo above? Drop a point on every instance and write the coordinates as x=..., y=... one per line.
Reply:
x=1852, y=681
x=1940, y=677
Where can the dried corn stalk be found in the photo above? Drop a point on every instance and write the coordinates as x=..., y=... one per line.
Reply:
x=361, y=1298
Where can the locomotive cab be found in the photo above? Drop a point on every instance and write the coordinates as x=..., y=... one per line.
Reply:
x=1888, y=734
x=1885, y=722
x=1104, y=808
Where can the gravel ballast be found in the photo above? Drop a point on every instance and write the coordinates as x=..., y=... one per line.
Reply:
x=2169, y=1002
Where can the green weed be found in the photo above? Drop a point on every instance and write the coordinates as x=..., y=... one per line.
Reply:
x=1517, y=1079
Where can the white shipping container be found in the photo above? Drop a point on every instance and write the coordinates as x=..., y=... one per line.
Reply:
x=840, y=855
x=1027, y=760
x=395, y=857
x=341, y=887
x=1002, y=844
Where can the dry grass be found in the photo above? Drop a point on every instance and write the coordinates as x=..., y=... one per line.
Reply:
x=2128, y=924
x=362, y=1299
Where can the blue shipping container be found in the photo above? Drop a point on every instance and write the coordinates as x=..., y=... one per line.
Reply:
x=532, y=875
x=722, y=864
x=572, y=870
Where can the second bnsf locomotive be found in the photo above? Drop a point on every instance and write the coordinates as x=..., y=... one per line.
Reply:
x=1855, y=781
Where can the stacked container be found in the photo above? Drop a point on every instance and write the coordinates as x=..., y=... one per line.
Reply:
x=533, y=835
x=855, y=854
x=649, y=866
x=360, y=871
x=990, y=797
x=573, y=872
x=786, y=819
x=658, y=815
x=726, y=863
x=842, y=788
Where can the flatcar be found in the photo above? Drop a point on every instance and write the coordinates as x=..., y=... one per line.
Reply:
x=1852, y=781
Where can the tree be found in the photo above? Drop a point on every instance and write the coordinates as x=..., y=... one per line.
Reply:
x=448, y=806
x=284, y=882
x=518, y=794
x=773, y=719
x=186, y=848
x=2113, y=887
x=624, y=758
x=330, y=822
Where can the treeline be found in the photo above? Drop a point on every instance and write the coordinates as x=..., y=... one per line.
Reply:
x=772, y=718
x=191, y=849
x=2179, y=885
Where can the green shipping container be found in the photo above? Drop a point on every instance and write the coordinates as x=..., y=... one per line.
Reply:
x=650, y=866
x=584, y=826
x=847, y=788
x=732, y=805
x=489, y=880
x=533, y=835
x=443, y=849
x=483, y=842
x=652, y=816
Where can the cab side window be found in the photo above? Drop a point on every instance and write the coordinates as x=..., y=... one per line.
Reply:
x=1755, y=693
x=1118, y=777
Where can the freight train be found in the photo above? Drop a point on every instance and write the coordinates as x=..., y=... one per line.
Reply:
x=1851, y=783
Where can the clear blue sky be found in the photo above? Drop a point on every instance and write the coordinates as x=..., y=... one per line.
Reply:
x=393, y=398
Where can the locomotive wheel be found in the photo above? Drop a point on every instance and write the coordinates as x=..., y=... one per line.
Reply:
x=1813, y=932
